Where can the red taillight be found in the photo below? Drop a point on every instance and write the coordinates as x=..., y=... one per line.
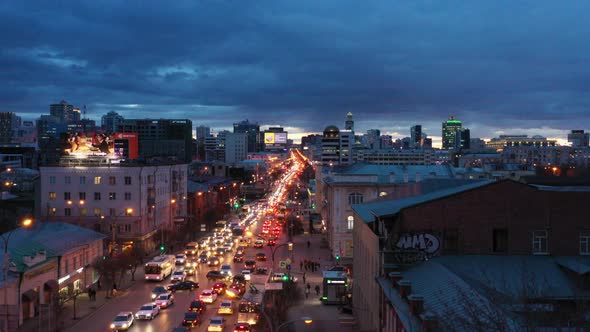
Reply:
x=184, y=320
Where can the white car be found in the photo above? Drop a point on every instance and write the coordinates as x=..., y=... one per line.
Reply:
x=123, y=321
x=178, y=275
x=226, y=270
x=148, y=311
x=165, y=300
x=247, y=275
x=208, y=296
x=180, y=259
x=216, y=324
x=226, y=308
x=227, y=247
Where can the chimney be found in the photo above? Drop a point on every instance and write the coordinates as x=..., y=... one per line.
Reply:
x=394, y=277
x=429, y=322
x=416, y=304
x=404, y=287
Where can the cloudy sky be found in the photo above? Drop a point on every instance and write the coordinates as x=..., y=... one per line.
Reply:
x=500, y=66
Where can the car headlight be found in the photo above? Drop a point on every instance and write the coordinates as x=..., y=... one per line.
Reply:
x=125, y=325
x=112, y=326
x=153, y=296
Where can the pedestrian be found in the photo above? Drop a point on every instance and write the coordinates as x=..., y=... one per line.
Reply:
x=308, y=286
x=114, y=289
x=317, y=290
x=98, y=284
x=300, y=265
x=306, y=293
x=308, y=244
x=305, y=265
x=303, y=277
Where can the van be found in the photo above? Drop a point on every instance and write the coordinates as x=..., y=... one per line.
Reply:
x=191, y=248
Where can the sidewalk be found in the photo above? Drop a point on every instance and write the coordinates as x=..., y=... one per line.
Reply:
x=325, y=317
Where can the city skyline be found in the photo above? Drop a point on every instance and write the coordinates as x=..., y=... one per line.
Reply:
x=501, y=69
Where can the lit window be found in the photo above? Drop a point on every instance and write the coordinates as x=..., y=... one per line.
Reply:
x=112, y=180
x=82, y=180
x=540, y=245
x=112, y=196
x=52, y=179
x=127, y=180
x=350, y=222
x=67, y=212
x=97, y=196
x=585, y=243
x=53, y=211
x=355, y=198
x=383, y=193
x=97, y=212
x=83, y=212
x=127, y=196
x=97, y=179
x=68, y=179
x=52, y=195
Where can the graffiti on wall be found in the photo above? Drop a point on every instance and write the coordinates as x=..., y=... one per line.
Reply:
x=414, y=247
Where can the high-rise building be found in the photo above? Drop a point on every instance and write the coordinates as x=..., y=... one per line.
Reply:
x=416, y=136
x=337, y=146
x=449, y=128
x=9, y=123
x=172, y=138
x=253, y=132
x=202, y=132
x=578, y=138
x=64, y=112
x=462, y=139
x=372, y=139
x=349, y=123
x=111, y=121
x=236, y=147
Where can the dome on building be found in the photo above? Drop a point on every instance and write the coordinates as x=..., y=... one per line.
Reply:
x=349, y=114
x=331, y=129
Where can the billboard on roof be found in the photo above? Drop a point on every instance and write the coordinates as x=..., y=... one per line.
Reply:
x=85, y=145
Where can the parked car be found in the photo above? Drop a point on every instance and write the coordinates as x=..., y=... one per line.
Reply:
x=183, y=285
x=123, y=321
x=148, y=311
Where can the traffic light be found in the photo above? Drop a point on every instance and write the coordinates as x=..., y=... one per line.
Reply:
x=285, y=277
x=313, y=205
x=162, y=248
x=236, y=205
x=337, y=257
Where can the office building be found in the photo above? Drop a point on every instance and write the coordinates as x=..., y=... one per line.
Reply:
x=202, y=132
x=449, y=128
x=111, y=121
x=9, y=123
x=253, y=132
x=416, y=136
x=578, y=138
x=337, y=146
x=167, y=138
x=64, y=112
x=503, y=141
x=236, y=146
x=462, y=139
x=349, y=123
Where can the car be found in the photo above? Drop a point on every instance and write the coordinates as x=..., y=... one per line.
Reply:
x=242, y=327
x=214, y=261
x=226, y=269
x=239, y=279
x=240, y=250
x=247, y=275
x=226, y=308
x=261, y=256
x=219, y=240
x=219, y=251
x=189, y=269
x=197, y=306
x=203, y=259
x=180, y=329
x=244, y=243
x=212, y=246
x=148, y=311
x=235, y=290
x=250, y=265
x=208, y=296
x=271, y=242
x=122, y=321
x=178, y=275
x=227, y=247
x=238, y=258
x=180, y=259
x=216, y=324
x=191, y=319
x=165, y=300
x=258, y=244
x=183, y=285
x=213, y=275
x=157, y=291
x=219, y=287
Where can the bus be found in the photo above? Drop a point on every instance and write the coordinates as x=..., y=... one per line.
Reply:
x=160, y=267
x=334, y=287
x=249, y=307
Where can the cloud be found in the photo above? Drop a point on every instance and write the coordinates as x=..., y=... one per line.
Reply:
x=496, y=65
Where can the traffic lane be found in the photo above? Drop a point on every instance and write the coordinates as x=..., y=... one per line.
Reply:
x=169, y=317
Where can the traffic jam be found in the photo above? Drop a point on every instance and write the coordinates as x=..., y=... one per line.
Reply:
x=221, y=276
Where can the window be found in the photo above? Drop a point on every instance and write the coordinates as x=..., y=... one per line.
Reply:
x=52, y=179
x=52, y=195
x=67, y=212
x=112, y=180
x=82, y=196
x=127, y=196
x=67, y=266
x=82, y=180
x=128, y=212
x=355, y=198
x=68, y=179
x=127, y=228
x=540, y=246
x=67, y=196
x=97, y=179
x=83, y=212
x=585, y=243
x=112, y=196
x=350, y=222
x=500, y=240
x=128, y=180
x=97, y=196
x=97, y=212
x=112, y=212
x=52, y=211
x=74, y=262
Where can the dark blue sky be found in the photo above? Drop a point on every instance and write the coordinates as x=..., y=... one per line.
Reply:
x=500, y=66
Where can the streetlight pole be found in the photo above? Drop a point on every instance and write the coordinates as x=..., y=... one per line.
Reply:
x=25, y=223
x=273, y=250
x=306, y=320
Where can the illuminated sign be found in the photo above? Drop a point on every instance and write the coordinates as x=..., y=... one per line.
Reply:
x=86, y=145
x=275, y=138
x=336, y=281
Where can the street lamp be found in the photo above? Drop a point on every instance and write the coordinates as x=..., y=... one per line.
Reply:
x=26, y=223
x=307, y=320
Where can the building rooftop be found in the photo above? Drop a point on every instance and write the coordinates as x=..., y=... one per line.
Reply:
x=384, y=173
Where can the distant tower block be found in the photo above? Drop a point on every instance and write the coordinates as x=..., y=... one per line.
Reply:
x=349, y=124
